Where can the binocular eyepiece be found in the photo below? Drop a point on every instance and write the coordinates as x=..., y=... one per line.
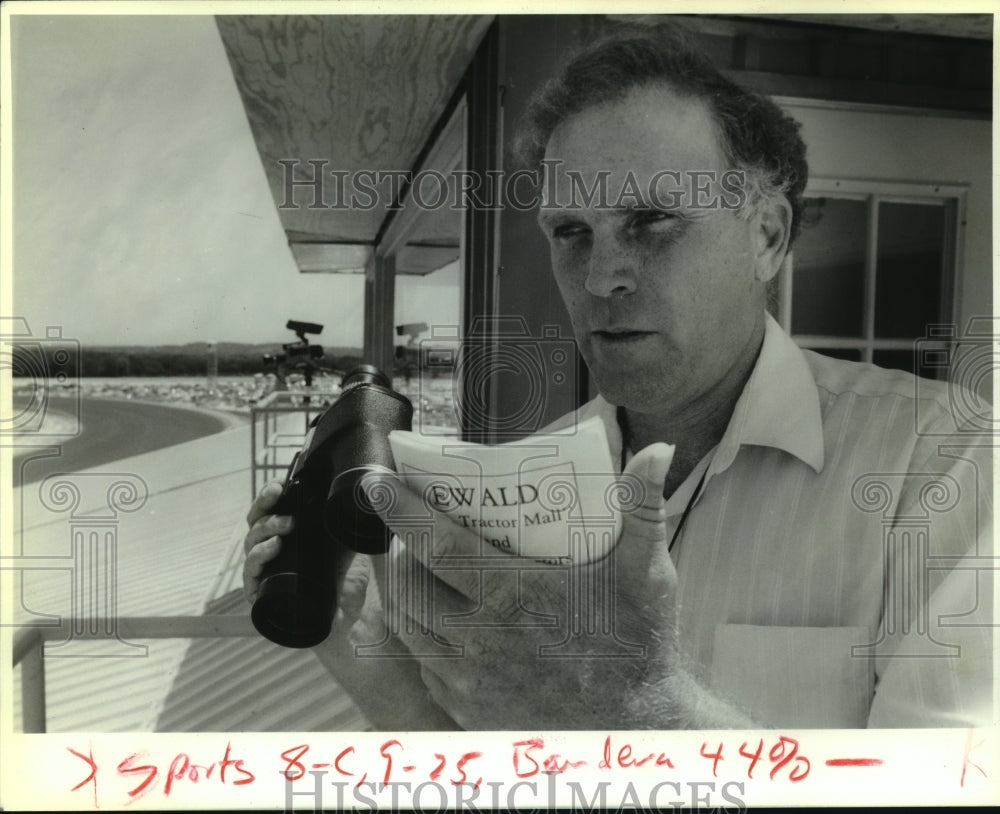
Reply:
x=297, y=598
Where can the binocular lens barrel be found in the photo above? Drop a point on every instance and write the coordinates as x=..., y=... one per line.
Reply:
x=366, y=374
x=297, y=598
x=292, y=611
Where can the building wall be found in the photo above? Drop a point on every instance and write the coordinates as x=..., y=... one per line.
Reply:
x=914, y=148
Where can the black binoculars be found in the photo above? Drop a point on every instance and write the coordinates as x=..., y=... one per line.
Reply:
x=297, y=598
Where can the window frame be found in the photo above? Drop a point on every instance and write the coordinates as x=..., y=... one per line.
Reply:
x=952, y=196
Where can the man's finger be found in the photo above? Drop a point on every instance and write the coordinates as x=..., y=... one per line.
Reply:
x=395, y=502
x=267, y=526
x=428, y=599
x=259, y=556
x=355, y=574
x=264, y=501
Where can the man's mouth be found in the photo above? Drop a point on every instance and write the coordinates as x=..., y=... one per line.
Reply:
x=621, y=335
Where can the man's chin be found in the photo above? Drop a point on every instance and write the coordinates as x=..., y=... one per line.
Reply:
x=640, y=391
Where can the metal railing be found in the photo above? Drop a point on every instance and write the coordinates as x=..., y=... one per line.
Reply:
x=278, y=425
x=29, y=647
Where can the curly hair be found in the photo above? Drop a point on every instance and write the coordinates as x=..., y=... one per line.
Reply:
x=756, y=136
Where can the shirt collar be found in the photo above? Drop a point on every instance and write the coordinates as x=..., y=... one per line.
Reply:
x=779, y=408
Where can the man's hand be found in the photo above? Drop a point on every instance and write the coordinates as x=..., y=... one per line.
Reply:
x=388, y=690
x=263, y=541
x=507, y=676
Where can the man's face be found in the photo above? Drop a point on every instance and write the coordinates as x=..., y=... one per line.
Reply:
x=662, y=295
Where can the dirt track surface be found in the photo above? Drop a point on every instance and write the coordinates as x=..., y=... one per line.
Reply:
x=113, y=430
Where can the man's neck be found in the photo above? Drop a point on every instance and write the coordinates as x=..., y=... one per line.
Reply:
x=696, y=427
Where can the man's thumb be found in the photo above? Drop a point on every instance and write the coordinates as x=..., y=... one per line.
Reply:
x=644, y=528
x=644, y=517
x=643, y=569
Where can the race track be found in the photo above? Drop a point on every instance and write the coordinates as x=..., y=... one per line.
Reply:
x=113, y=430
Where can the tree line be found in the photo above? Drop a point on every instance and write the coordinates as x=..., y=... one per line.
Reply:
x=46, y=359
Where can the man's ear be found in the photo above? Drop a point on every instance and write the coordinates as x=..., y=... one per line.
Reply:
x=773, y=228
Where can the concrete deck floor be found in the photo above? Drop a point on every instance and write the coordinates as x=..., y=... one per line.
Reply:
x=175, y=553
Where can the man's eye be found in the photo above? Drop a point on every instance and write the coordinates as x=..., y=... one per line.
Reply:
x=650, y=217
x=568, y=230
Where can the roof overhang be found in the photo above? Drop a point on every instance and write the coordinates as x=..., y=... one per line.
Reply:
x=329, y=97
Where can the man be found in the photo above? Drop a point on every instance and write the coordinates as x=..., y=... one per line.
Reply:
x=771, y=572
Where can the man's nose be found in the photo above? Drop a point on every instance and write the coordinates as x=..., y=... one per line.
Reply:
x=612, y=268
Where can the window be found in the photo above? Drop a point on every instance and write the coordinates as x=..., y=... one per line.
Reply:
x=874, y=266
x=423, y=245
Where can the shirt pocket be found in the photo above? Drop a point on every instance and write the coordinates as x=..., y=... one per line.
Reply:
x=794, y=677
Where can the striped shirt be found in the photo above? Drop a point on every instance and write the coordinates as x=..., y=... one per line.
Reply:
x=835, y=567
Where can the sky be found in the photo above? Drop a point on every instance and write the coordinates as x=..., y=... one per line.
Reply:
x=142, y=214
